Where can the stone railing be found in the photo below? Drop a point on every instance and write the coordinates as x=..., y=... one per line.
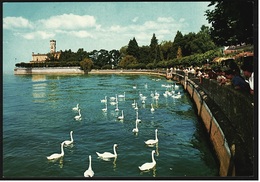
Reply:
x=234, y=113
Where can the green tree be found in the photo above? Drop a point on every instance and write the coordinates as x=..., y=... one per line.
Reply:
x=177, y=42
x=133, y=48
x=165, y=48
x=179, y=53
x=232, y=21
x=122, y=51
x=204, y=41
x=127, y=61
x=154, y=54
x=114, y=57
x=144, y=55
x=86, y=64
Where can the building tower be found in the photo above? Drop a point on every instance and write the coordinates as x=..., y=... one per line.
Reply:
x=53, y=46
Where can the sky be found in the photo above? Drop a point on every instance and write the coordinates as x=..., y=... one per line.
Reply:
x=29, y=26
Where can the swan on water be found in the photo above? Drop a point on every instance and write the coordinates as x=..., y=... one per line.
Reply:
x=136, y=108
x=105, y=109
x=104, y=100
x=176, y=86
x=137, y=119
x=122, y=116
x=133, y=104
x=107, y=155
x=152, y=109
x=56, y=155
x=135, y=130
x=112, y=98
x=148, y=165
x=89, y=172
x=151, y=141
x=78, y=117
x=116, y=109
x=68, y=142
x=176, y=96
x=76, y=108
x=121, y=96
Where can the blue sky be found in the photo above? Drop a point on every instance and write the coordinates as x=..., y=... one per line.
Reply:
x=29, y=27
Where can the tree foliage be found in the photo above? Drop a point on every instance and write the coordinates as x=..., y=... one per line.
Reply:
x=166, y=54
x=232, y=21
x=179, y=53
x=128, y=61
x=154, y=54
x=133, y=48
x=86, y=64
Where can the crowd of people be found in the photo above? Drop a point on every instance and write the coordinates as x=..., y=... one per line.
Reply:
x=240, y=77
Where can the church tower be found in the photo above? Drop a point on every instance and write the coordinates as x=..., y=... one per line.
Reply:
x=53, y=46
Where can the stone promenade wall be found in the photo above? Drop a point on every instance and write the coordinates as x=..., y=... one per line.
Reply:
x=228, y=116
x=48, y=70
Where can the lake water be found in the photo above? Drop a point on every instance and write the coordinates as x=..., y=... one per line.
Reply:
x=38, y=116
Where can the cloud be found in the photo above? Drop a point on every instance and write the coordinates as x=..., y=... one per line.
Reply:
x=165, y=19
x=16, y=22
x=117, y=29
x=86, y=26
x=69, y=22
x=80, y=34
x=37, y=35
x=135, y=19
x=181, y=20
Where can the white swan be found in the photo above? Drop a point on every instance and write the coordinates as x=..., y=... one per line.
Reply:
x=78, y=117
x=148, y=165
x=136, y=108
x=122, y=116
x=122, y=96
x=133, y=104
x=176, y=86
x=176, y=96
x=152, y=109
x=137, y=119
x=116, y=109
x=89, y=172
x=68, y=142
x=104, y=100
x=112, y=98
x=107, y=155
x=56, y=155
x=76, y=108
x=145, y=85
x=105, y=109
x=135, y=130
x=151, y=141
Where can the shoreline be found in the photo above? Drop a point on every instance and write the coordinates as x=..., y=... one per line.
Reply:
x=123, y=71
x=77, y=70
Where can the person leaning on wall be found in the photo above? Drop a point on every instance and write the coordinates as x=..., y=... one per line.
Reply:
x=237, y=81
x=248, y=72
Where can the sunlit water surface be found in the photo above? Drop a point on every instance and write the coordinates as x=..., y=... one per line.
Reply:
x=38, y=116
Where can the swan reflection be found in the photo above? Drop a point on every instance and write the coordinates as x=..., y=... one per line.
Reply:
x=60, y=160
x=114, y=163
x=153, y=171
